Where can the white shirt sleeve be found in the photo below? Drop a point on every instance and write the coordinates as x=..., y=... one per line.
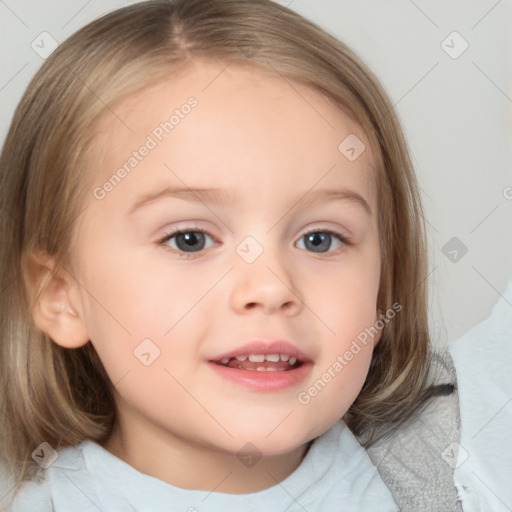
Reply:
x=483, y=361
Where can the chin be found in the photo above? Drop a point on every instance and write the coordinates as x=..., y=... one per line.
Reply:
x=266, y=443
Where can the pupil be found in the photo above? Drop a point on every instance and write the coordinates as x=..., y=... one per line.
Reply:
x=191, y=240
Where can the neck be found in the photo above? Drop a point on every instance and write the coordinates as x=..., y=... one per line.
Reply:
x=194, y=466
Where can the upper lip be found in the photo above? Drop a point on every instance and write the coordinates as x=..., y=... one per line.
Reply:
x=265, y=347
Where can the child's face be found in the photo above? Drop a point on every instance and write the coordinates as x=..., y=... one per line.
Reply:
x=266, y=149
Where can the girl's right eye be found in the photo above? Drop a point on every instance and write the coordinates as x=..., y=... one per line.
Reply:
x=188, y=241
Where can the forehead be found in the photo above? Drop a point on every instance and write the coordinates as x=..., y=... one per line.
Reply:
x=248, y=126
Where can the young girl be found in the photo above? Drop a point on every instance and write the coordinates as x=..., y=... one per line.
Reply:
x=214, y=276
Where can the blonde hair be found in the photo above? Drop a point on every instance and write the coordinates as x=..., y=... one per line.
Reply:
x=63, y=396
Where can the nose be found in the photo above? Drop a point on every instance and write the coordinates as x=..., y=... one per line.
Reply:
x=265, y=285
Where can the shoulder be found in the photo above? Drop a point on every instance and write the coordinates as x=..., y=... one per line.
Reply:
x=30, y=496
x=482, y=358
x=412, y=460
x=337, y=470
x=62, y=483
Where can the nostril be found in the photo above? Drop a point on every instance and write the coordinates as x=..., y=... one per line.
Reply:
x=288, y=307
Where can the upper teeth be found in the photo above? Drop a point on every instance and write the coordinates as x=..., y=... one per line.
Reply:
x=259, y=358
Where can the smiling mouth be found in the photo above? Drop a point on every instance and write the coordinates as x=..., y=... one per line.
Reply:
x=261, y=362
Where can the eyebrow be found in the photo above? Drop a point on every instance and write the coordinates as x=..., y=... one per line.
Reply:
x=319, y=196
x=217, y=196
x=204, y=195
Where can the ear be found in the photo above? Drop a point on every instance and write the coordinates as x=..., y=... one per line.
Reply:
x=55, y=303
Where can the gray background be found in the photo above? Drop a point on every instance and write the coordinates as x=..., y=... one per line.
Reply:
x=455, y=109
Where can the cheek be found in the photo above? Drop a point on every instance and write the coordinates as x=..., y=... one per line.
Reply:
x=345, y=303
x=344, y=297
x=132, y=308
x=138, y=298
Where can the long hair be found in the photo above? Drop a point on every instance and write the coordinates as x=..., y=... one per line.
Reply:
x=63, y=396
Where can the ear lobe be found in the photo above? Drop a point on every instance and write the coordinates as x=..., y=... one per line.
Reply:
x=53, y=310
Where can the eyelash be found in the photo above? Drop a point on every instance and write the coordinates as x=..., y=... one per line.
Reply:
x=346, y=241
x=190, y=229
x=343, y=239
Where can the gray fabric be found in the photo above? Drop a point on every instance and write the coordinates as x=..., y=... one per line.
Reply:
x=417, y=461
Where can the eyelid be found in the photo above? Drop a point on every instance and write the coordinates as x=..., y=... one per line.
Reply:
x=343, y=237
x=185, y=227
x=171, y=232
x=188, y=229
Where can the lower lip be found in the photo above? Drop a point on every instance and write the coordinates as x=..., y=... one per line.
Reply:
x=263, y=381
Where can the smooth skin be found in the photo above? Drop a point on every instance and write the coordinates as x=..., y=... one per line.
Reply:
x=269, y=146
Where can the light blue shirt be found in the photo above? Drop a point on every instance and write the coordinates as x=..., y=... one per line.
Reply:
x=336, y=474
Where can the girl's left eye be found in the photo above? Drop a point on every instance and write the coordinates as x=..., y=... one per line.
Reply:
x=188, y=240
x=321, y=241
